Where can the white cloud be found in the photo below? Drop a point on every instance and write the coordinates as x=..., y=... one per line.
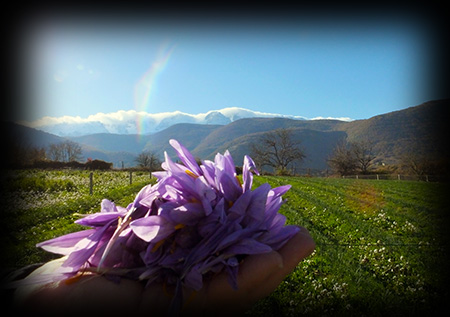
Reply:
x=132, y=121
x=45, y=121
x=332, y=118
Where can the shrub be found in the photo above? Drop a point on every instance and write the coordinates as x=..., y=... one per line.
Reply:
x=98, y=165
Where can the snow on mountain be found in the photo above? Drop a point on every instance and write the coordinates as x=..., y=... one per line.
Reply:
x=138, y=122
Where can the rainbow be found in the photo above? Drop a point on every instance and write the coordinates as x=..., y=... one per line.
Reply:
x=148, y=82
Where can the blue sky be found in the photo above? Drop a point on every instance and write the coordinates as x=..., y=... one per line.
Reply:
x=311, y=68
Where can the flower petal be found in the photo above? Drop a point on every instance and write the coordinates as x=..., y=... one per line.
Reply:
x=212, y=221
x=278, y=191
x=248, y=246
x=107, y=206
x=256, y=210
x=209, y=172
x=234, y=236
x=276, y=241
x=65, y=244
x=100, y=219
x=247, y=175
x=228, y=185
x=186, y=157
x=146, y=193
x=152, y=228
x=47, y=273
x=194, y=278
x=179, y=178
x=187, y=214
x=205, y=193
x=239, y=208
x=84, y=249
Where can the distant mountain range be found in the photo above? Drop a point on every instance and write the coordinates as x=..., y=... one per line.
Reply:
x=135, y=122
x=418, y=129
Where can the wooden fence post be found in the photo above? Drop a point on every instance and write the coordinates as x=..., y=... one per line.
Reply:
x=131, y=177
x=91, y=183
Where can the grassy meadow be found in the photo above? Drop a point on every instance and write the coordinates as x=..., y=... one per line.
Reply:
x=42, y=205
x=381, y=245
x=381, y=248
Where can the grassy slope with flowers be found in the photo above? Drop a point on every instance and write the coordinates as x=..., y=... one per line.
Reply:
x=380, y=244
x=42, y=205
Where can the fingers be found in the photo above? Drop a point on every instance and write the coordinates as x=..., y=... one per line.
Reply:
x=292, y=253
x=265, y=278
x=156, y=300
x=296, y=249
x=256, y=275
x=93, y=293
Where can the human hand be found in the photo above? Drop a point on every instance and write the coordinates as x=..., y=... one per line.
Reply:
x=259, y=275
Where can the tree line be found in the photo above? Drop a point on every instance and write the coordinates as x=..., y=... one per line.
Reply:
x=281, y=152
x=63, y=152
x=66, y=154
x=277, y=150
x=66, y=151
x=349, y=158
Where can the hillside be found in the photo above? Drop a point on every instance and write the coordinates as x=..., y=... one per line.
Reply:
x=317, y=146
x=118, y=148
x=190, y=135
x=418, y=130
x=25, y=137
x=228, y=133
x=109, y=142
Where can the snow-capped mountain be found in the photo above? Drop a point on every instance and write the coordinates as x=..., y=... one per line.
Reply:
x=138, y=122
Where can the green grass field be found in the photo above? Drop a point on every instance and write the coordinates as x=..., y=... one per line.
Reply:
x=42, y=205
x=381, y=245
x=380, y=248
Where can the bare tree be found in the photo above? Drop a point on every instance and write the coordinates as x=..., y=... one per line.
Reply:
x=362, y=151
x=54, y=152
x=277, y=149
x=417, y=164
x=20, y=155
x=342, y=160
x=66, y=151
x=72, y=151
x=37, y=154
x=350, y=157
x=148, y=160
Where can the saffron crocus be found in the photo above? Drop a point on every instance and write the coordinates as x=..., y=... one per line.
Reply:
x=196, y=220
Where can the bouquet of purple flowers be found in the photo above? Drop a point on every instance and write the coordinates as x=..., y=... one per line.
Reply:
x=196, y=220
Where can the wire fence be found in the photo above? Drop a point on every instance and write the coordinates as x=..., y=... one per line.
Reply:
x=399, y=177
x=92, y=181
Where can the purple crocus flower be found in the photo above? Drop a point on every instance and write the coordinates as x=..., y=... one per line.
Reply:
x=195, y=221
